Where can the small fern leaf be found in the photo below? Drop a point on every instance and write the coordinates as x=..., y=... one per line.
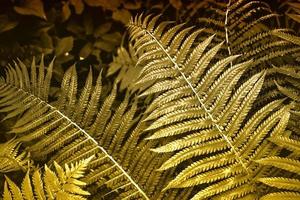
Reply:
x=27, y=188
x=11, y=159
x=63, y=184
x=282, y=183
x=38, y=186
x=6, y=193
x=14, y=189
x=281, y=195
x=282, y=163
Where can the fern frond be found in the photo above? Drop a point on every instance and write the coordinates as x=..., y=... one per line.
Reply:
x=281, y=195
x=282, y=183
x=287, y=143
x=241, y=23
x=62, y=184
x=76, y=126
x=204, y=112
x=291, y=86
x=11, y=159
x=249, y=28
x=286, y=36
x=290, y=163
x=283, y=163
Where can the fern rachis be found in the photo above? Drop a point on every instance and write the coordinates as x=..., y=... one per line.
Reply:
x=210, y=128
x=200, y=122
x=60, y=129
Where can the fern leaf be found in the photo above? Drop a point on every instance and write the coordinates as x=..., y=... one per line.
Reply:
x=15, y=191
x=74, y=127
x=289, y=163
x=281, y=195
x=38, y=186
x=288, y=37
x=27, y=188
x=6, y=194
x=204, y=114
x=283, y=163
x=249, y=28
x=288, y=143
x=11, y=159
x=282, y=183
x=63, y=184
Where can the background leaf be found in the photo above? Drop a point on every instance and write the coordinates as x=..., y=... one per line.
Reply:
x=78, y=5
x=64, y=45
x=106, y=4
x=6, y=24
x=31, y=7
x=121, y=15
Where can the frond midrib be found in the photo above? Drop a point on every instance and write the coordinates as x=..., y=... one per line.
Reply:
x=218, y=127
x=86, y=135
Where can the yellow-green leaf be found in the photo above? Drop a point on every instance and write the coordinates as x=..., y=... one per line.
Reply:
x=64, y=45
x=31, y=7
x=122, y=15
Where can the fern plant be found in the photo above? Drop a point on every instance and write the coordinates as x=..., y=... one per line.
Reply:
x=205, y=119
x=215, y=135
x=63, y=184
x=247, y=28
x=72, y=128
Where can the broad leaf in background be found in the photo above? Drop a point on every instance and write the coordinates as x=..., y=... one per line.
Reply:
x=106, y=4
x=121, y=15
x=124, y=65
x=31, y=7
x=7, y=24
x=64, y=45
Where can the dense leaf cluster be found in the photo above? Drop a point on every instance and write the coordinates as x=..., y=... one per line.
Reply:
x=109, y=100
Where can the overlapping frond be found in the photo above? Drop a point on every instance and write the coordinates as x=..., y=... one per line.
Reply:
x=78, y=125
x=286, y=36
x=11, y=159
x=290, y=82
x=62, y=184
x=288, y=181
x=202, y=111
x=291, y=89
x=205, y=119
x=247, y=28
x=291, y=10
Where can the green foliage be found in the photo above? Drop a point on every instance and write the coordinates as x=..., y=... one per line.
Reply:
x=11, y=159
x=63, y=184
x=124, y=65
x=196, y=106
x=200, y=102
x=74, y=127
x=289, y=183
